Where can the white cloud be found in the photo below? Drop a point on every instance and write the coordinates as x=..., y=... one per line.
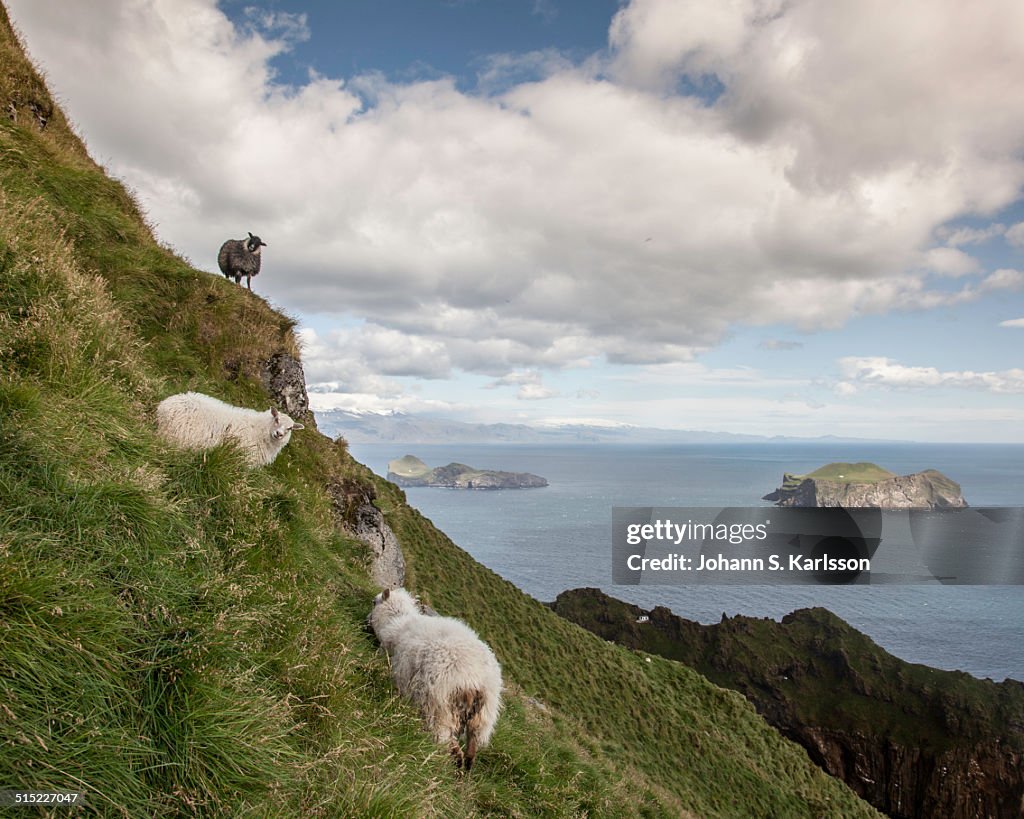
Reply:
x=535, y=392
x=1012, y=323
x=948, y=261
x=954, y=237
x=531, y=385
x=1015, y=235
x=1002, y=279
x=290, y=28
x=349, y=369
x=371, y=402
x=872, y=371
x=383, y=351
x=590, y=211
x=780, y=344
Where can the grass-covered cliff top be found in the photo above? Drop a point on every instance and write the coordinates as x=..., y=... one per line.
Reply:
x=180, y=634
x=862, y=472
x=839, y=472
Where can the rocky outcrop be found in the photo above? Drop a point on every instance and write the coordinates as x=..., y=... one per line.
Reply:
x=911, y=740
x=411, y=471
x=929, y=489
x=352, y=502
x=285, y=380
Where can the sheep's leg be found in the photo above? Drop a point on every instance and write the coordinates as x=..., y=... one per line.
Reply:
x=456, y=751
x=238, y=278
x=248, y=281
x=473, y=726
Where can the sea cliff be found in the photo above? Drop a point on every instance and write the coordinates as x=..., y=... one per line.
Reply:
x=913, y=741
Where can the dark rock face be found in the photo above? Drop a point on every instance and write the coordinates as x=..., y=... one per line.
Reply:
x=41, y=111
x=354, y=509
x=285, y=380
x=929, y=489
x=911, y=740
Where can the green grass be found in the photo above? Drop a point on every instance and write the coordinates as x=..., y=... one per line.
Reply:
x=408, y=466
x=862, y=472
x=180, y=634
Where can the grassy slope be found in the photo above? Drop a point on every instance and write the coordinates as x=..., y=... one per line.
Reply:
x=179, y=633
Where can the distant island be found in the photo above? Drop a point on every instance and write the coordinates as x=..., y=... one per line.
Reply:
x=411, y=471
x=868, y=485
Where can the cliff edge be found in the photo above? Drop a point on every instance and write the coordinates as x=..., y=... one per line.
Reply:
x=913, y=741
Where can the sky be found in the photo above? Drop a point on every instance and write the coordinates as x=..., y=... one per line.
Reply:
x=774, y=217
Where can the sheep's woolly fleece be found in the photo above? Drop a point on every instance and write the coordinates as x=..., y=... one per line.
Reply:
x=439, y=662
x=197, y=421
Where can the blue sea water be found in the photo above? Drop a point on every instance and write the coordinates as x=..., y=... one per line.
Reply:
x=556, y=538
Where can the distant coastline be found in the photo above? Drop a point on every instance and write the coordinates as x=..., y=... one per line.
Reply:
x=391, y=428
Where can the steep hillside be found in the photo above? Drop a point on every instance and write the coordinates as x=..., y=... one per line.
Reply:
x=180, y=634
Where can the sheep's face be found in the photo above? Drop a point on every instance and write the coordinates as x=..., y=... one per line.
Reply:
x=392, y=603
x=281, y=427
x=254, y=244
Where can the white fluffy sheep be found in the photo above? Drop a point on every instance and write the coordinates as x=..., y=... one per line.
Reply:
x=197, y=421
x=441, y=665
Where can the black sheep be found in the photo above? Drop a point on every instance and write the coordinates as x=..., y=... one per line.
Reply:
x=241, y=257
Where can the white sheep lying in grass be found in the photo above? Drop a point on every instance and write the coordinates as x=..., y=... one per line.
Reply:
x=197, y=421
x=441, y=665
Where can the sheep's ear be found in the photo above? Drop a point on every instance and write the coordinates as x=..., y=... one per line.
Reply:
x=274, y=415
x=250, y=234
x=298, y=426
x=387, y=594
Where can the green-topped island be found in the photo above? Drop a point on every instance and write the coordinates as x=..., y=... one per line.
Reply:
x=411, y=471
x=868, y=485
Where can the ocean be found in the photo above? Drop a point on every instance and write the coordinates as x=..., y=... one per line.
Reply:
x=556, y=538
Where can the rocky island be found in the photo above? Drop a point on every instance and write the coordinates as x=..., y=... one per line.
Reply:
x=868, y=485
x=411, y=471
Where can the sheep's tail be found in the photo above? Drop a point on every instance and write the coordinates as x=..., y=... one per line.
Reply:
x=476, y=712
